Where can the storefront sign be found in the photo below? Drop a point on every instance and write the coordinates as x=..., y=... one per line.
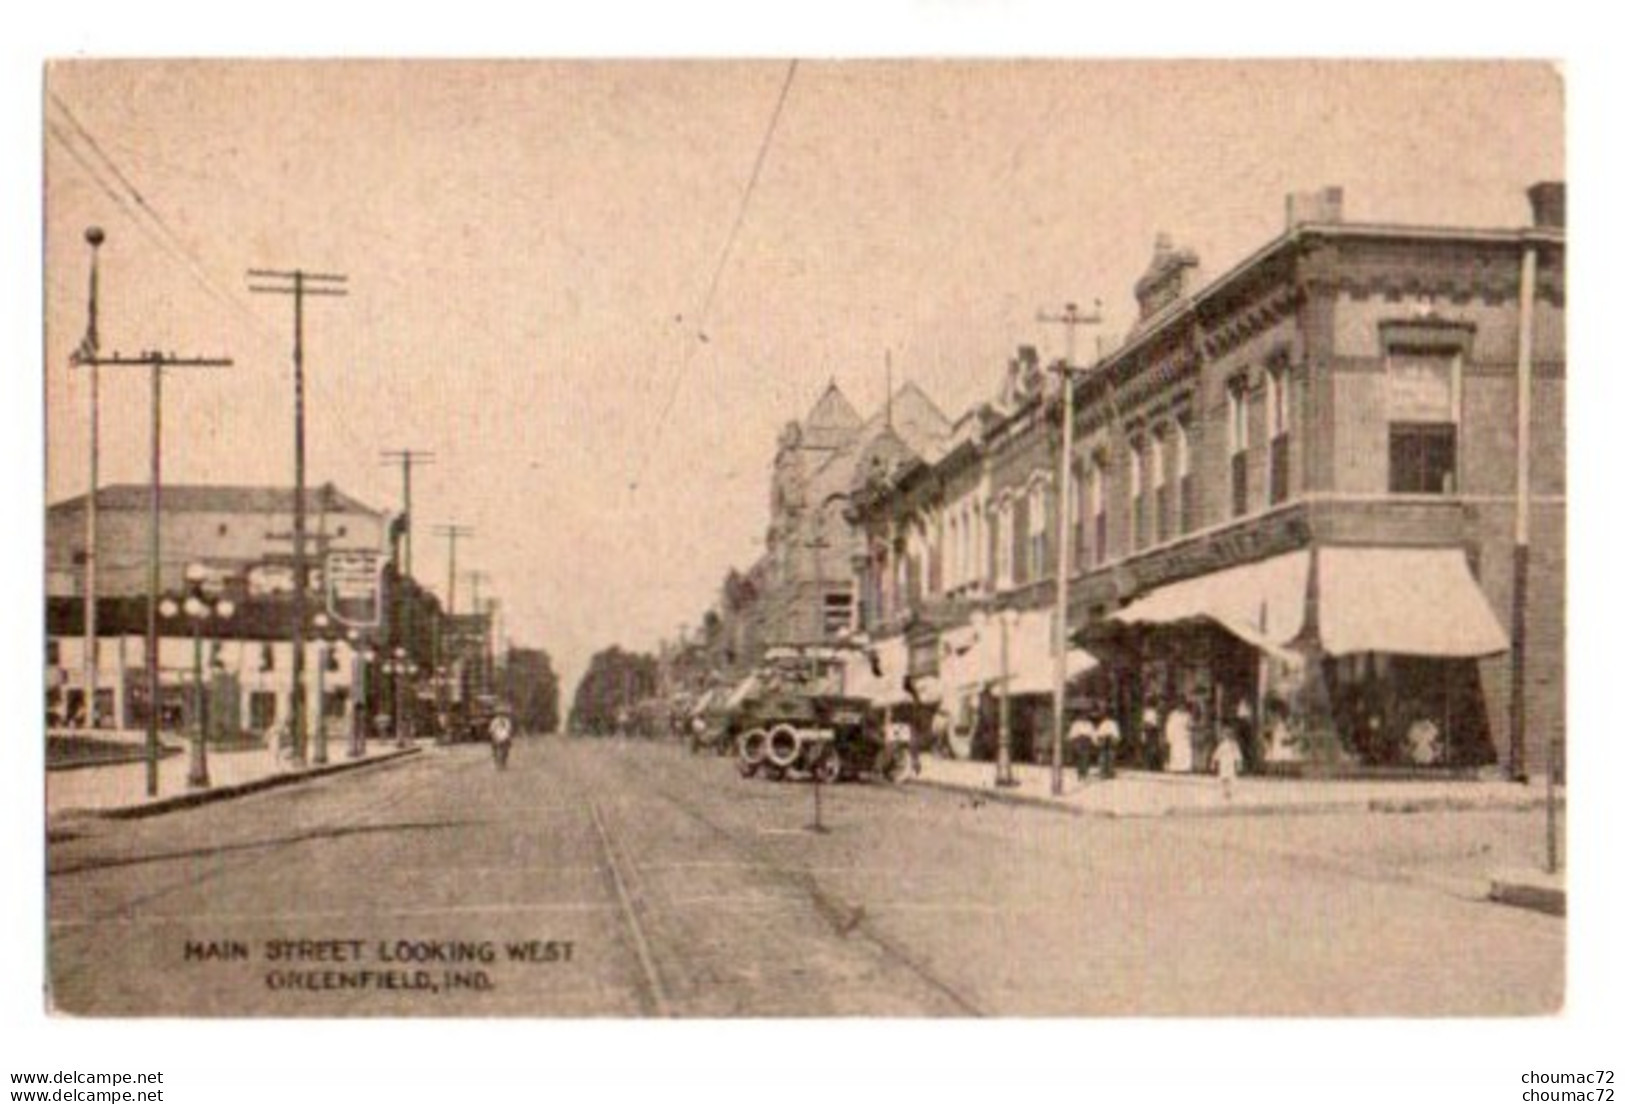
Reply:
x=354, y=587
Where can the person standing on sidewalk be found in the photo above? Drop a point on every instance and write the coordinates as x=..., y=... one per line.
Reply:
x=1227, y=759
x=1178, y=732
x=1081, y=736
x=1107, y=736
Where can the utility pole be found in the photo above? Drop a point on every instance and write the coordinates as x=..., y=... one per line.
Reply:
x=452, y=532
x=156, y=363
x=1071, y=319
x=408, y=459
x=298, y=283
x=475, y=578
x=85, y=356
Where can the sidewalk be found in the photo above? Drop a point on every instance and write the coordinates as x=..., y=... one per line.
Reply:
x=1135, y=793
x=120, y=790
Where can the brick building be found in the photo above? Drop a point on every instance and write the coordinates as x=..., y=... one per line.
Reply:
x=1294, y=498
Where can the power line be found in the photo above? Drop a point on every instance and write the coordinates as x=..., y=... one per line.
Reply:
x=170, y=242
x=690, y=349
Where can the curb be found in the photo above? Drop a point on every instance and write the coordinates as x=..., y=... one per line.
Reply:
x=240, y=789
x=1552, y=900
x=1392, y=806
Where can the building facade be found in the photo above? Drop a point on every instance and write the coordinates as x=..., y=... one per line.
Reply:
x=1295, y=507
x=231, y=548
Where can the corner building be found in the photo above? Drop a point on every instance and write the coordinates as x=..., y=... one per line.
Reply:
x=1299, y=493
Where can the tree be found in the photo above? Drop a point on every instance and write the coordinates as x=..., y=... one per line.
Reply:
x=615, y=681
x=532, y=687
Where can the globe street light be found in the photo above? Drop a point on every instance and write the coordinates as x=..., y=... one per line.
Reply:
x=320, y=625
x=400, y=668
x=198, y=608
x=360, y=655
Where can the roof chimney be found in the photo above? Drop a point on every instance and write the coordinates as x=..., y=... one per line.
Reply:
x=1547, y=203
x=1325, y=205
x=1172, y=275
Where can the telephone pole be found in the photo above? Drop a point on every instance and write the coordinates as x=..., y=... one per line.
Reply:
x=452, y=533
x=298, y=283
x=156, y=363
x=475, y=578
x=1071, y=319
x=85, y=356
x=408, y=459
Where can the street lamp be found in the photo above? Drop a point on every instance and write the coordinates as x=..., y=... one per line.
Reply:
x=360, y=655
x=400, y=668
x=198, y=608
x=320, y=624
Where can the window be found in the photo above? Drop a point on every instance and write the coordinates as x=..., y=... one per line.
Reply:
x=1162, y=503
x=1278, y=411
x=1236, y=434
x=1182, y=474
x=1421, y=458
x=837, y=613
x=951, y=567
x=1080, y=517
x=1007, y=545
x=1097, y=509
x=1136, y=493
x=261, y=710
x=1423, y=394
x=1037, y=532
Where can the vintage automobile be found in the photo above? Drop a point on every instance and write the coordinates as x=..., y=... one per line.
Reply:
x=790, y=727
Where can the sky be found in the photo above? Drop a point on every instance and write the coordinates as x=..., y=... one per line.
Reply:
x=596, y=290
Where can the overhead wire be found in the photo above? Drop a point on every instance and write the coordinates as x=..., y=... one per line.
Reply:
x=167, y=239
x=691, y=349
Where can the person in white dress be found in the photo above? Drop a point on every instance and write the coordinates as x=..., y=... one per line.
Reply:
x=1177, y=729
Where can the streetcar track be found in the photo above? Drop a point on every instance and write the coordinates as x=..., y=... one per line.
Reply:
x=655, y=988
x=845, y=919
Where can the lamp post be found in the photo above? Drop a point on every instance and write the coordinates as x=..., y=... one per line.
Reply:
x=321, y=625
x=198, y=609
x=360, y=655
x=400, y=668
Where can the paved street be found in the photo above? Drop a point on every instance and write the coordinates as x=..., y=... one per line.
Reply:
x=626, y=879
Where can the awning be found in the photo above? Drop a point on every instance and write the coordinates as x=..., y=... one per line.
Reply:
x=1399, y=601
x=974, y=656
x=1032, y=654
x=886, y=688
x=1262, y=602
x=1407, y=601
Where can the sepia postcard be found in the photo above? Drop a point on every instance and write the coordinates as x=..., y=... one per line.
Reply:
x=774, y=538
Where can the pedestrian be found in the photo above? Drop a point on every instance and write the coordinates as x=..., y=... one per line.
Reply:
x=1227, y=758
x=1107, y=737
x=939, y=732
x=501, y=739
x=1151, y=734
x=1178, y=734
x=1081, y=736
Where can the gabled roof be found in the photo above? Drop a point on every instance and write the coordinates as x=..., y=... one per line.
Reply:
x=833, y=411
x=216, y=499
